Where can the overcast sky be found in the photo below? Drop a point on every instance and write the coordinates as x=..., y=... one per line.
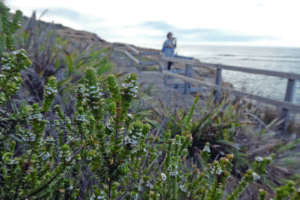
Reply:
x=254, y=23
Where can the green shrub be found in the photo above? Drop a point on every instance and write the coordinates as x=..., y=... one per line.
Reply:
x=89, y=159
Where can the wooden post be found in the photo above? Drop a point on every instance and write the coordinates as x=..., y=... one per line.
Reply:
x=218, y=82
x=188, y=73
x=127, y=49
x=289, y=94
x=132, y=62
x=165, y=76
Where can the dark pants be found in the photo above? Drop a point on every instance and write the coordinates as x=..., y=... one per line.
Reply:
x=169, y=65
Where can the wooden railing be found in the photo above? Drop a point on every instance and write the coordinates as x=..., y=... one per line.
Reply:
x=286, y=105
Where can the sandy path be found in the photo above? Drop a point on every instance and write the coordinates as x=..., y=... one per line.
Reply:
x=171, y=98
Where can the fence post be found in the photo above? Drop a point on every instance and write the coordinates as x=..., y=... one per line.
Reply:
x=289, y=94
x=130, y=52
x=160, y=68
x=218, y=82
x=188, y=73
x=166, y=68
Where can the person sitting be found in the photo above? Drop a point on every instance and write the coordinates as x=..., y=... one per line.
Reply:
x=168, y=48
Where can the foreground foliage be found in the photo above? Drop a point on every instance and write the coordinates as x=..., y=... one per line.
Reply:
x=86, y=157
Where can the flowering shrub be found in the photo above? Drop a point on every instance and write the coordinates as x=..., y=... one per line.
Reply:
x=87, y=158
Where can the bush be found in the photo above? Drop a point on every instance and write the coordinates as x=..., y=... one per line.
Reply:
x=89, y=159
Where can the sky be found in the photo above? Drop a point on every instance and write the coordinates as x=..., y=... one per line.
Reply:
x=240, y=23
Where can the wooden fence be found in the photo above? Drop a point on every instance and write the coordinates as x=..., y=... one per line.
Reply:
x=286, y=105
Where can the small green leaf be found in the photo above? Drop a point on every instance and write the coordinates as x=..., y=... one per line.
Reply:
x=15, y=138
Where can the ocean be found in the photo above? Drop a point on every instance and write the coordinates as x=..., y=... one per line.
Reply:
x=281, y=59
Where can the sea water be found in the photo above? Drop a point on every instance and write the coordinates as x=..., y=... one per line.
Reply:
x=281, y=59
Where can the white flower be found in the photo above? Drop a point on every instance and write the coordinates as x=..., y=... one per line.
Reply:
x=174, y=173
x=139, y=134
x=15, y=52
x=89, y=158
x=109, y=126
x=71, y=187
x=258, y=158
x=40, y=119
x=130, y=85
x=255, y=176
x=128, y=140
x=130, y=115
x=124, y=85
x=134, y=90
x=134, y=150
x=140, y=188
x=6, y=67
x=212, y=170
x=219, y=171
x=269, y=158
x=31, y=139
x=149, y=185
x=14, y=162
x=93, y=92
x=46, y=156
x=183, y=188
x=206, y=148
x=163, y=176
x=133, y=137
x=50, y=139
x=134, y=142
x=68, y=159
x=178, y=143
